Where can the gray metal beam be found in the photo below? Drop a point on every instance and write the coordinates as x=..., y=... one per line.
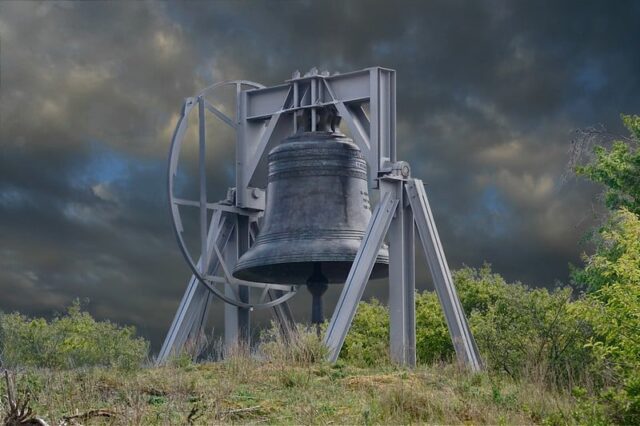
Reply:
x=191, y=306
x=463, y=340
x=402, y=319
x=283, y=314
x=359, y=275
x=236, y=319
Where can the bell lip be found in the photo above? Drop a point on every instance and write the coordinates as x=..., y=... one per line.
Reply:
x=333, y=270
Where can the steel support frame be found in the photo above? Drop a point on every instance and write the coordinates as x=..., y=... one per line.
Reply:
x=403, y=205
x=266, y=115
x=231, y=232
x=190, y=317
x=463, y=341
x=402, y=320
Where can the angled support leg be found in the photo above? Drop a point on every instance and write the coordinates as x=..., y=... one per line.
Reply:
x=463, y=341
x=359, y=275
x=194, y=302
x=283, y=314
x=402, y=317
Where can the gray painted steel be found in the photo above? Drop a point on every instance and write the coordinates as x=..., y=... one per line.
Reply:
x=359, y=275
x=264, y=117
x=463, y=340
x=402, y=330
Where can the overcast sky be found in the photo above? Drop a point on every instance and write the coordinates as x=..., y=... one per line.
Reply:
x=488, y=95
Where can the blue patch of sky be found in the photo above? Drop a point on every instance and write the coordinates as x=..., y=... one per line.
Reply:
x=13, y=197
x=106, y=165
x=591, y=77
x=491, y=213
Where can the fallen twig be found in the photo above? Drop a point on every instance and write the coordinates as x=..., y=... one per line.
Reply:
x=71, y=420
x=240, y=410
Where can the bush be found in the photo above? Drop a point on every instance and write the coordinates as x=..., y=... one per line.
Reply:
x=72, y=340
x=433, y=342
x=520, y=331
x=523, y=331
x=367, y=343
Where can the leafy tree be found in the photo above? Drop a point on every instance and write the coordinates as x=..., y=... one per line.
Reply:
x=612, y=276
x=612, y=309
x=617, y=255
x=618, y=169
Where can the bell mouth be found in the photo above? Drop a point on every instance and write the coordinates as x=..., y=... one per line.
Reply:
x=297, y=273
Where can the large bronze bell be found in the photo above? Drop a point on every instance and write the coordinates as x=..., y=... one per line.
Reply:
x=316, y=215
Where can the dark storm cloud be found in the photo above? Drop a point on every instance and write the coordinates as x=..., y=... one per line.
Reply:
x=488, y=93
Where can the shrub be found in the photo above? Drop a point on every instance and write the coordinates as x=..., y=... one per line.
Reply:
x=523, y=331
x=72, y=340
x=367, y=343
x=433, y=342
x=520, y=331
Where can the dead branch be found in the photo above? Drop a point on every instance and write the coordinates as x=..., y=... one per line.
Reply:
x=73, y=420
x=240, y=411
x=18, y=412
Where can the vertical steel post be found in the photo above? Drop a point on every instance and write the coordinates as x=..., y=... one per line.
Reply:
x=236, y=320
x=231, y=325
x=402, y=331
x=244, y=237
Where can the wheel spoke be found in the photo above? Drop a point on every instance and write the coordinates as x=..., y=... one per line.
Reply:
x=222, y=116
x=264, y=294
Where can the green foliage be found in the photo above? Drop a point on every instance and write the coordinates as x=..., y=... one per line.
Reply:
x=612, y=308
x=523, y=331
x=612, y=276
x=520, y=331
x=433, y=342
x=617, y=255
x=618, y=169
x=72, y=340
x=367, y=343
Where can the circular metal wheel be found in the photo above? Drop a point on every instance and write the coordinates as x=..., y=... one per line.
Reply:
x=209, y=237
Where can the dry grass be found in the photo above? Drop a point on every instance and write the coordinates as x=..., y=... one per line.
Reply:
x=242, y=389
x=285, y=383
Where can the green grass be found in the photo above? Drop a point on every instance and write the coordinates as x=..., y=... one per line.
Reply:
x=245, y=390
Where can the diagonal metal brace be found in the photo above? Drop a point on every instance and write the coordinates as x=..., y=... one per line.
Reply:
x=463, y=341
x=359, y=275
x=196, y=299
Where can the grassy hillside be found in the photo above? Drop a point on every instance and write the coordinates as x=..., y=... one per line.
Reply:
x=244, y=390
